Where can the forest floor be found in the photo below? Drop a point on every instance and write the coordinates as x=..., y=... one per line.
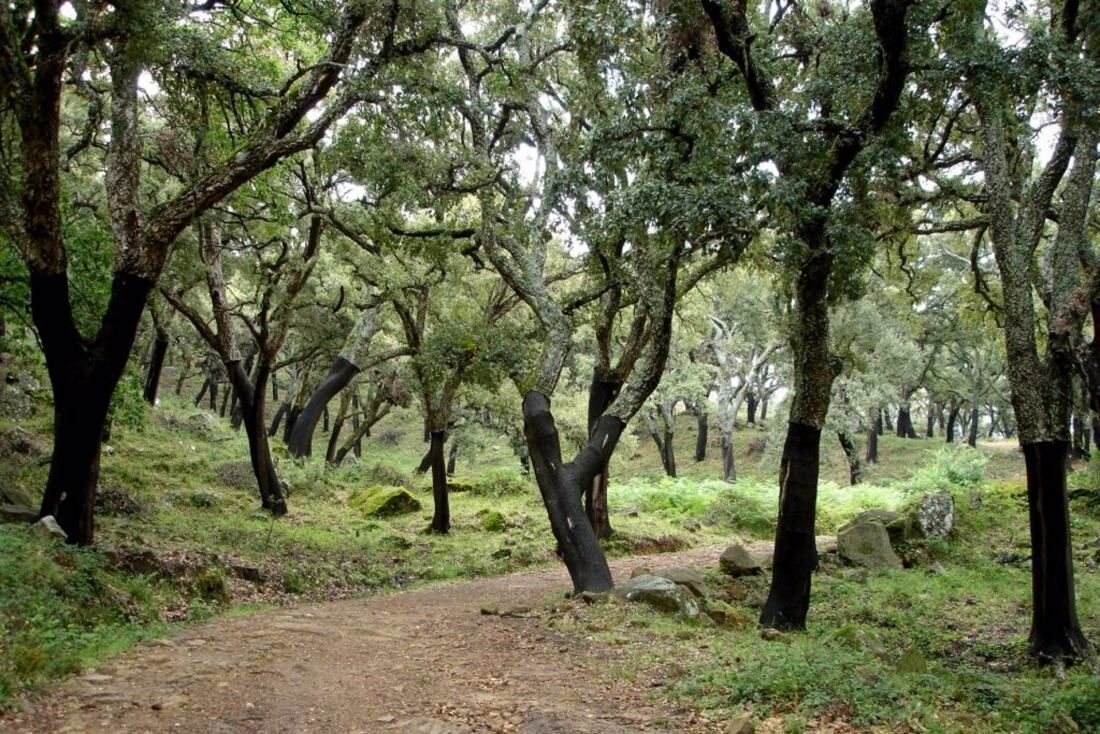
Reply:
x=426, y=661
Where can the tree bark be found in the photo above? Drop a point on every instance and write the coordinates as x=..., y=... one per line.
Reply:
x=1055, y=630
x=562, y=484
x=252, y=400
x=952, y=417
x=972, y=438
x=452, y=458
x=872, y=438
x=284, y=408
x=441, y=517
x=750, y=408
x=729, y=467
x=339, y=376
x=701, y=436
x=156, y=366
x=601, y=394
x=855, y=471
x=670, y=454
x=764, y=409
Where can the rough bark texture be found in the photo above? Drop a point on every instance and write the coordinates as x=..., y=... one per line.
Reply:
x=562, y=484
x=795, y=545
x=441, y=517
x=855, y=471
x=601, y=394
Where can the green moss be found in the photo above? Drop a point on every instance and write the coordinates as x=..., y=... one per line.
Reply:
x=381, y=501
x=493, y=522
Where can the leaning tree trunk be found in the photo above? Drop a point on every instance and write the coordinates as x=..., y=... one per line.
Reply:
x=252, y=400
x=701, y=436
x=601, y=393
x=339, y=376
x=156, y=366
x=562, y=484
x=337, y=428
x=855, y=471
x=83, y=381
x=441, y=517
x=670, y=454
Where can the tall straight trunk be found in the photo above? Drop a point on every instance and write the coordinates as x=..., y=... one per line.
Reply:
x=156, y=366
x=930, y=427
x=225, y=399
x=670, y=454
x=252, y=399
x=729, y=467
x=441, y=517
x=601, y=393
x=855, y=471
x=796, y=546
x=880, y=422
x=324, y=419
x=871, y=457
x=764, y=409
x=357, y=447
x=952, y=417
x=562, y=484
x=701, y=437
x=339, y=376
x=274, y=387
x=452, y=458
x=750, y=408
x=1055, y=630
x=83, y=381
x=972, y=438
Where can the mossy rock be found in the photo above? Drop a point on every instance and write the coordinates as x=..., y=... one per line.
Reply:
x=493, y=522
x=380, y=501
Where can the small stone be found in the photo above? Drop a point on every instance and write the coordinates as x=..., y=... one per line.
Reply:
x=737, y=561
x=48, y=529
x=387, y=719
x=741, y=725
x=771, y=634
x=18, y=514
x=659, y=593
x=593, y=597
x=631, y=512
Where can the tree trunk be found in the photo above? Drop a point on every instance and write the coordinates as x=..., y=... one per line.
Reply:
x=206, y=385
x=930, y=427
x=185, y=372
x=701, y=437
x=889, y=424
x=339, y=376
x=855, y=471
x=225, y=400
x=284, y=408
x=156, y=366
x=601, y=393
x=426, y=460
x=972, y=438
x=452, y=458
x=764, y=409
x=562, y=484
x=337, y=427
x=905, y=422
x=324, y=419
x=952, y=417
x=795, y=538
x=441, y=517
x=670, y=454
x=1055, y=631
x=750, y=408
x=729, y=468
x=83, y=381
x=872, y=438
x=252, y=399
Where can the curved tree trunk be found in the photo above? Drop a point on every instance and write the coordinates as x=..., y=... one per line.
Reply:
x=441, y=517
x=252, y=402
x=340, y=375
x=562, y=484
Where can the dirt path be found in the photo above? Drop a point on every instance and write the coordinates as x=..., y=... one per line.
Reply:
x=422, y=661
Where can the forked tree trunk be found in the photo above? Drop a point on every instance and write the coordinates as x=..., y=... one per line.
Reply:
x=855, y=471
x=701, y=437
x=441, y=517
x=601, y=393
x=562, y=485
x=156, y=366
x=339, y=376
x=83, y=381
x=1055, y=631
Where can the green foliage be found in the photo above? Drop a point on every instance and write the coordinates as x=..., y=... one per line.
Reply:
x=953, y=467
x=501, y=483
x=128, y=407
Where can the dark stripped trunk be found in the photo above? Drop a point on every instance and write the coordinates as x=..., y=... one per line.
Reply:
x=670, y=454
x=750, y=409
x=252, y=402
x=930, y=428
x=855, y=471
x=1055, y=631
x=601, y=393
x=562, y=485
x=764, y=409
x=83, y=381
x=795, y=538
x=339, y=376
x=905, y=423
x=972, y=437
x=952, y=417
x=873, y=433
x=701, y=437
x=207, y=385
x=441, y=517
x=452, y=459
x=279, y=415
x=156, y=366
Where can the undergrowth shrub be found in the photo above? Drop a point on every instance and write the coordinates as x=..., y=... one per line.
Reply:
x=952, y=467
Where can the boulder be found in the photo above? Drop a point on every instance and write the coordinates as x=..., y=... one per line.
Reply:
x=15, y=403
x=48, y=529
x=896, y=524
x=659, y=593
x=736, y=561
x=379, y=501
x=741, y=725
x=689, y=578
x=201, y=423
x=16, y=495
x=18, y=513
x=867, y=544
x=934, y=516
x=493, y=522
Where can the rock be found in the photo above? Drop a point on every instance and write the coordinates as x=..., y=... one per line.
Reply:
x=896, y=524
x=935, y=516
x=379, y=501
x=247, y=573
x=593, y=597
x=641, y=571
x=18, y=513
x=15, y=403
x=631, y=512
x=48, y=529
x=116, y=501
x=771, y=634
x=736, y=561
x=17, y=495
x=858, y=638
x=493, y=522
x=659, y=593
x=911, y=661
x=725, y=614
x=492, y=609
x=692, y=526
x=741, y=725
x=867, y=544
x=201, y=424
x=689, y=578
x=883, y=516
x=202, y=500
x=17, y=441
